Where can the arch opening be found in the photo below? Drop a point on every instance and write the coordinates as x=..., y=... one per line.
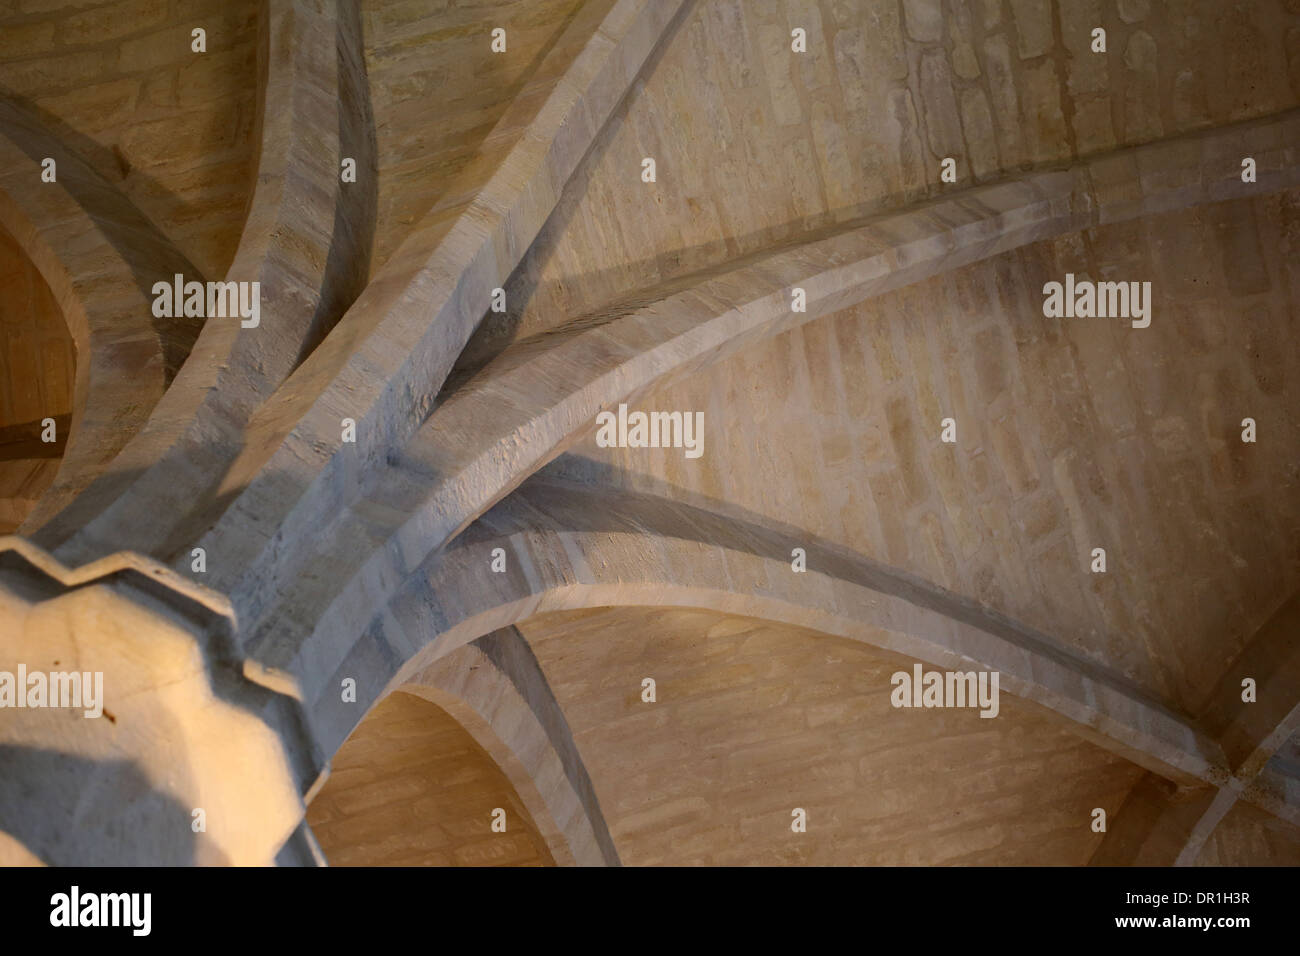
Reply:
x=37, y=372
x=412, y=787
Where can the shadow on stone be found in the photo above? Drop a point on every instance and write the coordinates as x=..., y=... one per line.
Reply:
x=49, y=800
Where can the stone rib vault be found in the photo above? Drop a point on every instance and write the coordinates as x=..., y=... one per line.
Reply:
x=364, y=580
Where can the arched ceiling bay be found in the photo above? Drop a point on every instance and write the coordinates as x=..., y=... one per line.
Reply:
x=1072, y=434
x=753, y=720
x=755, y=145
x=118, y=83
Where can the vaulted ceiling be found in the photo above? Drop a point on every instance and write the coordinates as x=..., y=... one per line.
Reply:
x=495, y=587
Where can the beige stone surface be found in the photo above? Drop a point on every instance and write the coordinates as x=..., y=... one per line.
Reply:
x=421, y=54
x=174, y=130
x=37, y=368
x=752, y=720
x=741, y=167
x=497, y=584
x=1072, y=434
x=1248, y=837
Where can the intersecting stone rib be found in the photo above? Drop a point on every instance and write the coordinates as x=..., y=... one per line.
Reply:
x=1160, y=825
x=1251, y=733
x=1155, y=828
x=489, y=436
x=572, y=547
x=386, y=360
x=541, y=395
x=147, y=502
